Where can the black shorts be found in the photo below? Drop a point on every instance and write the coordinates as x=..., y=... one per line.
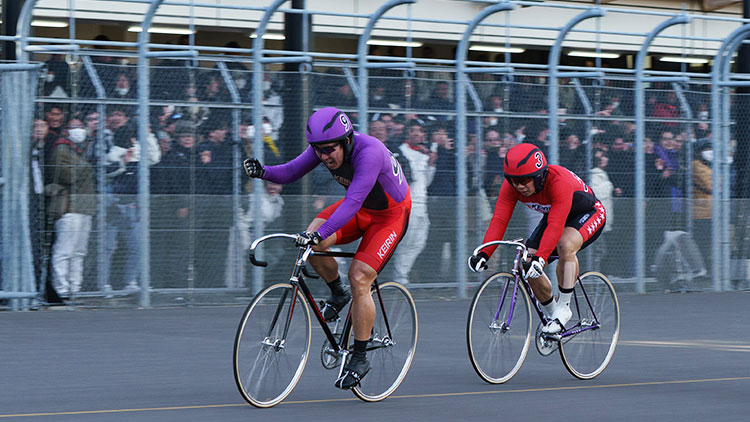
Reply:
x=590, y=224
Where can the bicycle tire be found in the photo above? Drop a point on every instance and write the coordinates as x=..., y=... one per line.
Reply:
x=588, y=353
x=266, y=369
x=390, y=357
x=497, y=351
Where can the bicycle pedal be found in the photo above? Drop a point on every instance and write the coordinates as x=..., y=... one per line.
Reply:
x=546, y=344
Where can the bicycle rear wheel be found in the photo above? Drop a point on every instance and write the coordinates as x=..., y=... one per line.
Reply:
x=498, y=341
x=390, y=352
x=268, y=362
x=587, y=354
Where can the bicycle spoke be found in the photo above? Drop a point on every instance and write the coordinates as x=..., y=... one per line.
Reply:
x=587, y=353
x=497, y=349
x=390, y=355
x=268, y=364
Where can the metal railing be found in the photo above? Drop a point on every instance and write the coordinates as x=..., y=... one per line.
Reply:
x=471, y=83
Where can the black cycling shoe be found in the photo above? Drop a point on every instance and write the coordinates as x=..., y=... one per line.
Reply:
x=334, y=304
x=354, y=371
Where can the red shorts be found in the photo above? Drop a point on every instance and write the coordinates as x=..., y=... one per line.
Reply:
x=380, y=230
x=589, y=224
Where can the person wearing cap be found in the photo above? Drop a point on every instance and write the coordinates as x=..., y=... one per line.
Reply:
x=572, y=219
x=376, y=208
x=172, y=186
x=214, y=188
x=167, y=124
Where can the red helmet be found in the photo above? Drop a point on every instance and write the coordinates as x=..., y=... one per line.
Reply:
x=526, y=160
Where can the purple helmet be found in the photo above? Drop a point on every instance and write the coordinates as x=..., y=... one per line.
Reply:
x=327, y=125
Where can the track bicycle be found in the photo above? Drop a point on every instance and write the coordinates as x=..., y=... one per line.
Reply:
x=498, y=330
x=273, y=338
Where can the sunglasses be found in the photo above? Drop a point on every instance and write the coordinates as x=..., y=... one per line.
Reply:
x=327, y=150
x=520, y=180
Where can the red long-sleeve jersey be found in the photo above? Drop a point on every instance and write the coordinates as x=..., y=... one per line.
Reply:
x=564, y=193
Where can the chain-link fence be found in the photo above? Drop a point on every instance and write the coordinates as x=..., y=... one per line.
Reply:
x=199, y=212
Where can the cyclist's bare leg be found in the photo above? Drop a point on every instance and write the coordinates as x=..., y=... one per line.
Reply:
x=361, y=277
x=326, y=266
x=541, y=286
x=567, y=267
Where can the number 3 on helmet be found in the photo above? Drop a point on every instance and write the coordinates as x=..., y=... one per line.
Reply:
x=526, y=160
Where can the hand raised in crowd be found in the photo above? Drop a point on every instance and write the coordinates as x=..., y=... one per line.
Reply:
x=253, y=168
x=128, y=157
x=433, y=158
x=659, y=164
x=205, y=157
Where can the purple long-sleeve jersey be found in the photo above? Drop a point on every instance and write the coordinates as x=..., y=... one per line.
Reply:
x=371, y=176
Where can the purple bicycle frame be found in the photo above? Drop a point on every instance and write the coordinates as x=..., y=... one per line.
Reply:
x=521, y=281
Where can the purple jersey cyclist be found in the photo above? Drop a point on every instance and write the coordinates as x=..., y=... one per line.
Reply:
x=375, y=208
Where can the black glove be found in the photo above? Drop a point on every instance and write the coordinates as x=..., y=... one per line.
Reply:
x=534, y=268
x=478, y=262
x=254, y=168
x=306, y=238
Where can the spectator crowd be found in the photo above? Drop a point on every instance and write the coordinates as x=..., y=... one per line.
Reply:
x=192, y=152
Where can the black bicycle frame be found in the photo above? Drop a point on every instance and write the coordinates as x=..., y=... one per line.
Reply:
x=298, y=283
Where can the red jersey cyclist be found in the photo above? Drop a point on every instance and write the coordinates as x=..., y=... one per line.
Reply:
x=573, y=219
x=376, y=208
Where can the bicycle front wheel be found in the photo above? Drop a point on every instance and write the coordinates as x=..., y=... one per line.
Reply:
x=392, y=344
x=595, y=305
x=498, y=330
x=269, y=355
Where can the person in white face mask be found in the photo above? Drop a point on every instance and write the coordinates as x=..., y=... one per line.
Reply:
x=123, y=87
x=70, y=204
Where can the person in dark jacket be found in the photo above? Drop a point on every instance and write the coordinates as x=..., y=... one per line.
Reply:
x=173, y=183
x=123, y=216
x=214, y=212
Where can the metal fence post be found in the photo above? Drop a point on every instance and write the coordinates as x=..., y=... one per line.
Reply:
x=235, y=255
x=258, y=43
x=101, y=212
x=143, y=164
x=461, y=134
x=720, y=167
x=362, y=102
x=640, y=163
x=553, y=94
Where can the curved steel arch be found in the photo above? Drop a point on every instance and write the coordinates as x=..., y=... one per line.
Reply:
x=552, y=93
x=23, y=29
x=461, y=52
x=362, y=59
x=143, y=171
x=640, y=165
x=720, y=166
x=258, y=45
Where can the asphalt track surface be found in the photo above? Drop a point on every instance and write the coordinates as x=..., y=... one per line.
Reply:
x=681, y=357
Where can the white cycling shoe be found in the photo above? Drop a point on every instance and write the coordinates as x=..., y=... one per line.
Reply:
x=559, y=318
